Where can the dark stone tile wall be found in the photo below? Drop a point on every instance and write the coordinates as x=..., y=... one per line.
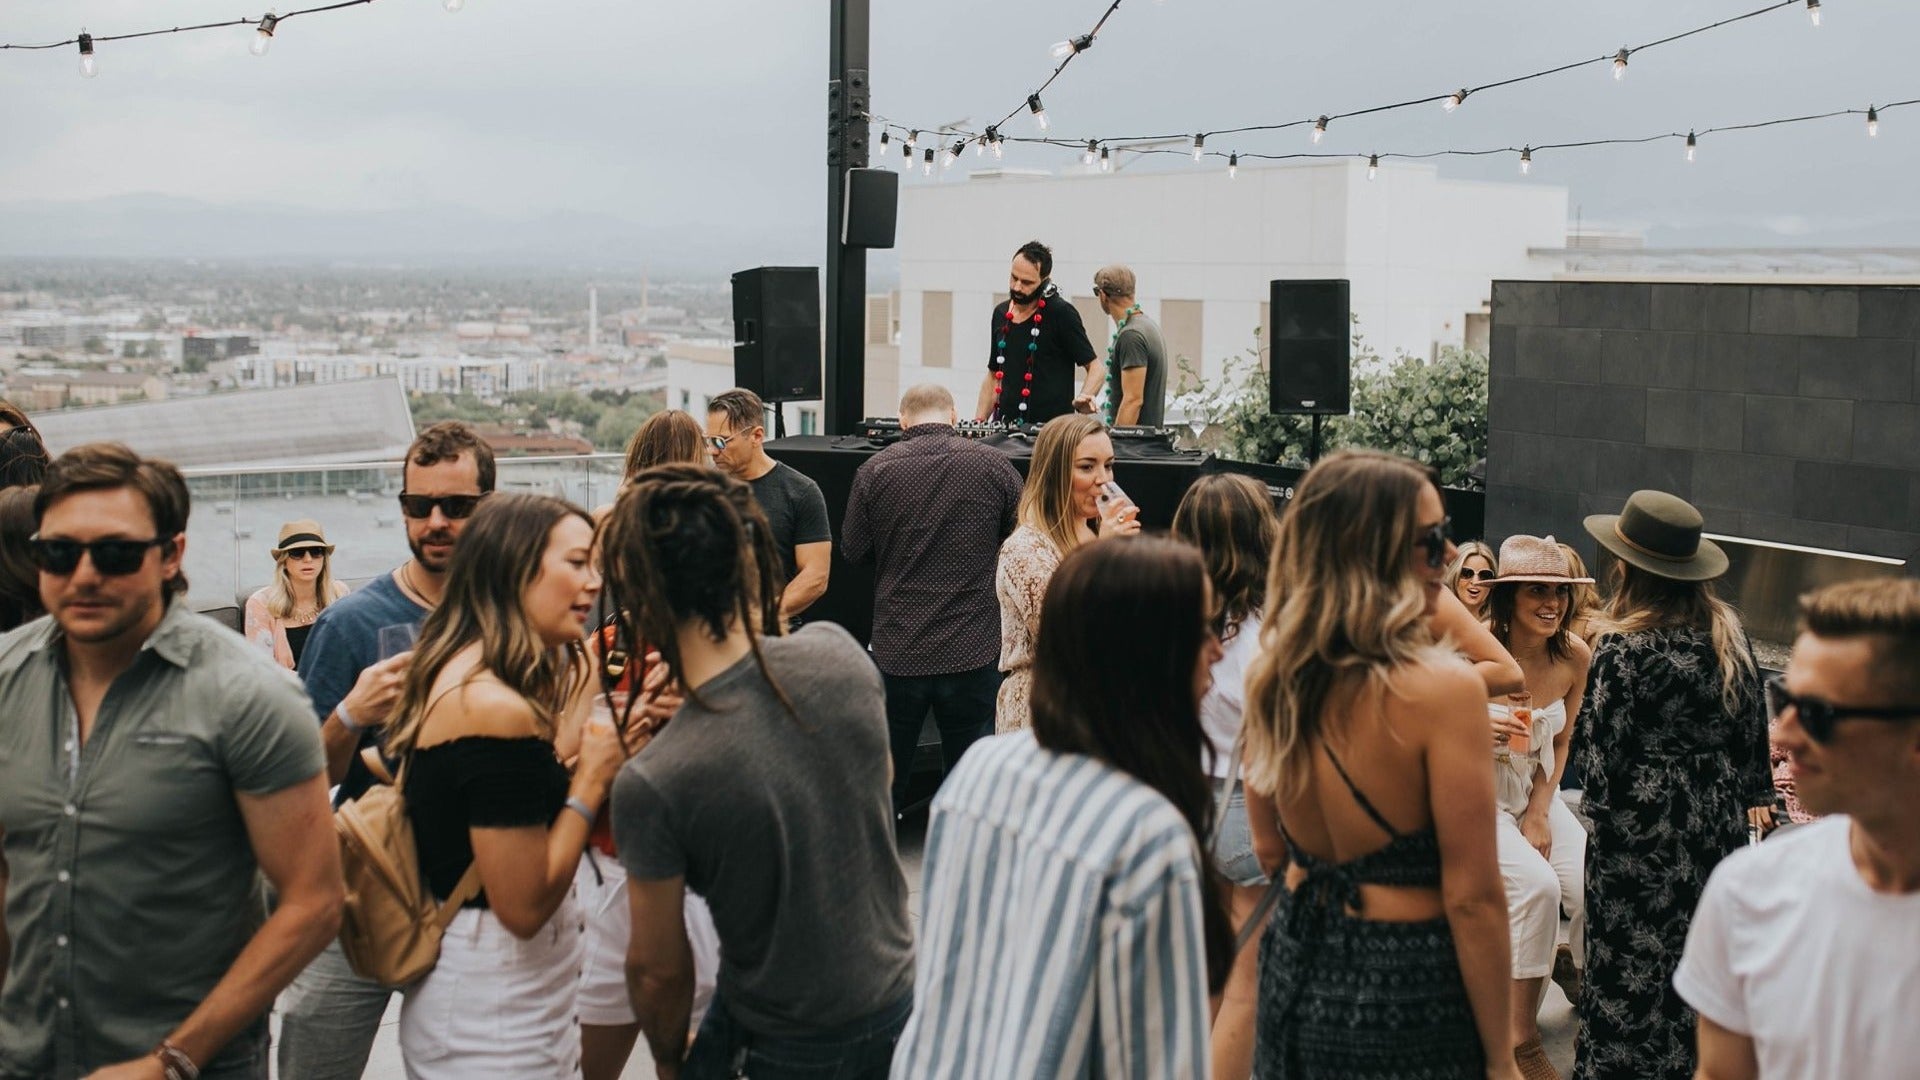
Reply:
x=1788, y=413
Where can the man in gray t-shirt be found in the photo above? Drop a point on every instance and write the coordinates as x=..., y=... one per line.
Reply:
x=783, y=824
x=1137, y=364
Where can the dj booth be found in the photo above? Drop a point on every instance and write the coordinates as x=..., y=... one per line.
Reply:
x=1153, y=474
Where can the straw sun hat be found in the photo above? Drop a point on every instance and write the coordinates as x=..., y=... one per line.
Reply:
x=1535, y=558
x=1660, y=533
x=305, y=533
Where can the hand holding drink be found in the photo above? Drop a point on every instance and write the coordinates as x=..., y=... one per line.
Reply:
x=1520, y=707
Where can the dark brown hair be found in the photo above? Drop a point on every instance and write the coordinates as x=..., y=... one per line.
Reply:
x=1887, y=613
x=664, y=439
x=1107, y=686
x=23, y=455
x=19, y=578
x=105, y=466
x=446, y=441
x=1039, y=254
x=688, y=543
x=744, y=408
x=1230, y=518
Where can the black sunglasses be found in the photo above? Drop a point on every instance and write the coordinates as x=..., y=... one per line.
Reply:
x=113, y=558
x=456, y=507
x=1818, y=717
x=1435, y=541
x=314, y=553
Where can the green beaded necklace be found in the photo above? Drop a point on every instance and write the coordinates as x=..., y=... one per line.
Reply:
x=1113, y=373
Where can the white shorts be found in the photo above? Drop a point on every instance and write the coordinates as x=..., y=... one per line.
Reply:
x=603, y=975
x=496, y=1007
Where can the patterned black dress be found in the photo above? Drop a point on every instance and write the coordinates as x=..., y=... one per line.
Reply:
x=1344, y=997
x=1669, y=773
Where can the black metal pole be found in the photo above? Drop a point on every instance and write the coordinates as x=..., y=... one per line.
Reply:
x=847, y=98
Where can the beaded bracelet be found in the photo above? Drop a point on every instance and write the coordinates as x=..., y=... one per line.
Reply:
x=175, y=1063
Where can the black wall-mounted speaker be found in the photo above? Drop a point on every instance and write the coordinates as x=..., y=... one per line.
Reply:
x=871, y=208
x=776, y=332
x=1311, y=367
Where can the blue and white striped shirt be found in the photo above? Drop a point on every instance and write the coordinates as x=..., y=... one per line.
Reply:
x=1060, y=932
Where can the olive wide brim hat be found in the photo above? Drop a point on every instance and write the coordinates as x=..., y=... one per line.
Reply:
x=1660, y=534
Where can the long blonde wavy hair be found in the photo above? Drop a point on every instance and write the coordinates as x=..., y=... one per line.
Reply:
x=1046, y=502
x=1642, y=601
x=498, y=557
x=1346, y=607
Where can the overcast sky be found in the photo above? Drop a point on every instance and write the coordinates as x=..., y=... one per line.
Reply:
x=710, y=113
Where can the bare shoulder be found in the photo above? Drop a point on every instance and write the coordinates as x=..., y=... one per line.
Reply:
x=478, y=705
x=1441, y=689
x=1581, y=652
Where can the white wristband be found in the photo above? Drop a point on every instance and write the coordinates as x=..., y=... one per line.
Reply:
x=341, y=714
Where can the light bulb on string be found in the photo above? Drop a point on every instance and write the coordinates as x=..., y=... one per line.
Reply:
x=1199, y=146
x=953, y=152
x=263, y=34
x=912, y=138
x=1813, y=11
x=1873, y=122
x=1092, y=152
x=1063, y=49
x=89, y=64
x=1038, y=110
x=1106, y=160
x=1620, y=65
x=1233, y=165
x=999, y=148
x=885, y=137
x=453, y=6
x=926, y=166
x=1319, y=130
x=1373, y=166
x=1526, y=160
x=906, y=151
x=1455, y=100
x=1693, y=144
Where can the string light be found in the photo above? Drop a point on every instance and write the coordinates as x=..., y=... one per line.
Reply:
x=999, y=144
x=1106, y=162
x=1319, y=130
x=1873, y=122
x=1199, y=147
x=1813, y=12
x=926, y=167
x=1233, y=165
x=884, y=136
x=1692, y=145
x=1620, y=65
x=1072, y=46
x=1455, y=100
x=89, y=64
x=1093, y=151
x=1038, y=110
x=263, y=36
x=953, y=152
x=1373, y=166
x=906, y=151
x=913, y=137
x=453, y=6
x=1526, y=160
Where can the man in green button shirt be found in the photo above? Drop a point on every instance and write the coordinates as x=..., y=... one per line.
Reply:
x=150, y=763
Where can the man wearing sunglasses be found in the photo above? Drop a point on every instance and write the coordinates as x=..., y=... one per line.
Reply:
x=796, y=510
x=1804, y=956
x=329, y=1016
x=153, y=766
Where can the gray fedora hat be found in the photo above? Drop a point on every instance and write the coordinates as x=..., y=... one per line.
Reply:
x=1660, y=533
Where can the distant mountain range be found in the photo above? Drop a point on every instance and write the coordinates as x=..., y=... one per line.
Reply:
x=163, y=226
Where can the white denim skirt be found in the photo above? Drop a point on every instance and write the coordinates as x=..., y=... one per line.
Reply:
x=496, y=1007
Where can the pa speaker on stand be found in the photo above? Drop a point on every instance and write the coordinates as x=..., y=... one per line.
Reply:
x=1311, y=370
x=776, y=335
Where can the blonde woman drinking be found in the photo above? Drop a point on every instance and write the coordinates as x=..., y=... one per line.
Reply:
x=280, y=615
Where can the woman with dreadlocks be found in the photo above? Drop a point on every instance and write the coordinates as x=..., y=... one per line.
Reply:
x=766, y=794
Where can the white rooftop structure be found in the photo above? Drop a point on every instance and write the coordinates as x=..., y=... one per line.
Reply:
x=250, y=429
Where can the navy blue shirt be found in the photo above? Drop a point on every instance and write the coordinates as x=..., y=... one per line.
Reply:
x=346, y=641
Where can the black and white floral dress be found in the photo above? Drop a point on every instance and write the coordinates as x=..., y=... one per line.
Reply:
x=1670, y=773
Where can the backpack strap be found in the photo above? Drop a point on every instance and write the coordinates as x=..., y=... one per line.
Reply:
x=377, y=765
x=466, y=889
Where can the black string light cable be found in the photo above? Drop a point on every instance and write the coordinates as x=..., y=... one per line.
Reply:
x=1065, y=52
x=1691, y=139
x=264, y=28
x=1449, y=100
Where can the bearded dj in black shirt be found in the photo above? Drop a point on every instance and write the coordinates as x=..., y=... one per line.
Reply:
x=1037, y=339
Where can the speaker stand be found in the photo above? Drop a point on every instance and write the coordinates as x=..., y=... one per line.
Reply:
x=779, y=420
x=1313, y=446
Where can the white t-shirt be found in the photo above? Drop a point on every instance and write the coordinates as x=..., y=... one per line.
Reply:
x=1221, y=709
x=1792, y=949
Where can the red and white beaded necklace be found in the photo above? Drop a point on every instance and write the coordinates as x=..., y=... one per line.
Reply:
x=1000, y=357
